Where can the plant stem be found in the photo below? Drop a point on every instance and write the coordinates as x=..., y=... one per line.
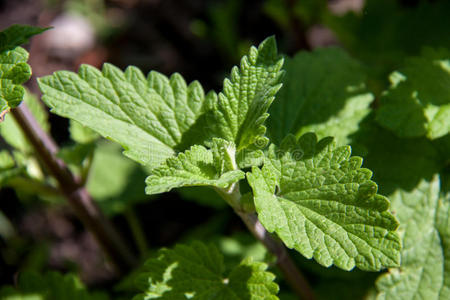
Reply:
x=292, y=274
x=284, y=261
x=86, y=168
x=136, y=229
x=79, y=199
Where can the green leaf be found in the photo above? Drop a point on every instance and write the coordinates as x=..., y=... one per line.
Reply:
x=197, y=166
x=323, y=91
x=156, y=117
x=9, y=293
x=425, y=230
x=418, y=102
x=12, y=133
x=241, y=245
x=17, y=35
x=390, y=157
x=321, y=202
x=14, y=69
x=344, y=123
x=197, y=271
x=8, y=167
x=81, y=134
x=115, y=182
x=241, y=109
x=22, y=151
x=403, y=31
x=76, y=154
x=13, y=72
x=150, y=117
x=443, y=227
x=6, y=160
x=50, y=286
x=253, y=154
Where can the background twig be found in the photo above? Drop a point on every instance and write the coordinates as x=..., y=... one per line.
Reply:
x=79, y=199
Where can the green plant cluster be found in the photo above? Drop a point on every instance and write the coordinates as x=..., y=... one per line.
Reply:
x=282, y=142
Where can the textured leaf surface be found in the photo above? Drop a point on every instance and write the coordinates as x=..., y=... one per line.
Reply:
x=14, y=71
x=154, y=117
x=198, y=272
x=197, y=166
x=321, y=202
x=241, y=109
x=418, y=102
x=425, y=228
x=51, y=286
x=322, y=91
x=150, y=117
x=13, y=67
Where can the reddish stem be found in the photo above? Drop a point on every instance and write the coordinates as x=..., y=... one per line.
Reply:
x=70, y=186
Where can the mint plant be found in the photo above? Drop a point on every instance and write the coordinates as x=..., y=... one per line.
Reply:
x=51, y=285
x=197, y=271
x=263, y=146
x=13, y=67
x=309, y=173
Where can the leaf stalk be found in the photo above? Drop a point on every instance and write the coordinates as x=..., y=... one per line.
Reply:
x=136, y=230
x=291, y=273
